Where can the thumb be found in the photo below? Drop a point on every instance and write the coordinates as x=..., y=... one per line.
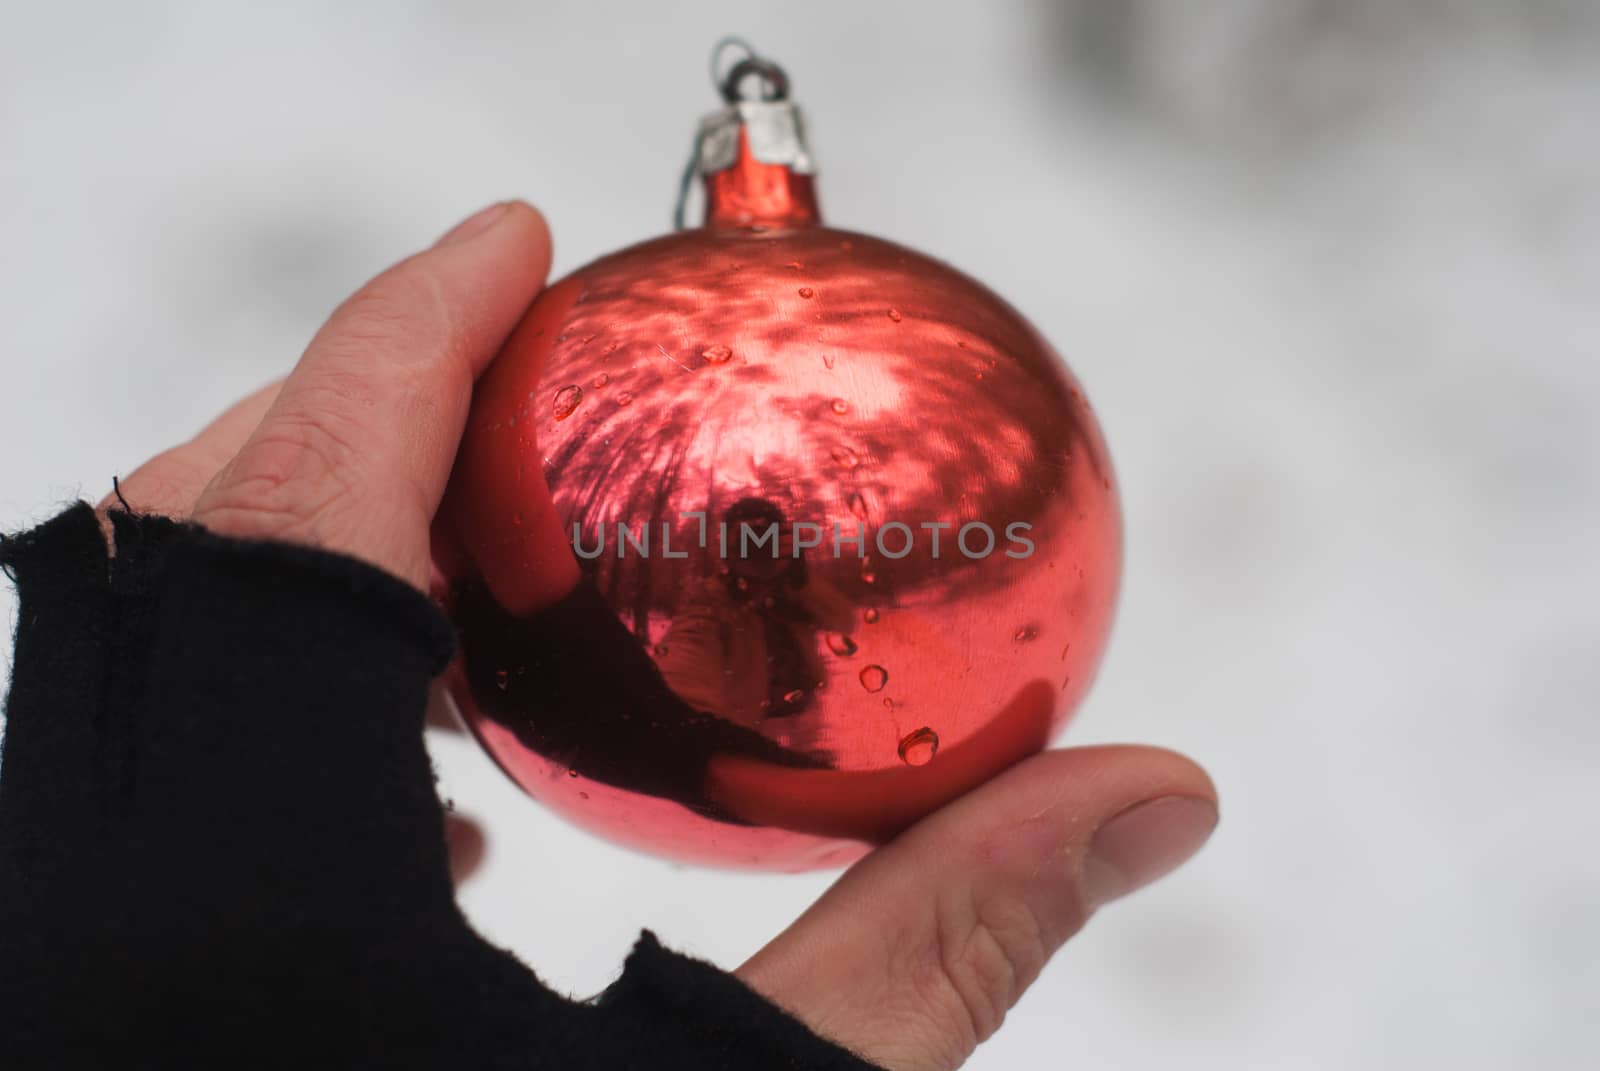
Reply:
x=918, y=952
x=354, y=451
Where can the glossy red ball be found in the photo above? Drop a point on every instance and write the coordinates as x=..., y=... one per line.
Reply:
x=949, y=551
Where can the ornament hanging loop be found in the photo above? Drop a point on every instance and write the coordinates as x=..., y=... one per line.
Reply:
x=774, y=82
x=774, y=79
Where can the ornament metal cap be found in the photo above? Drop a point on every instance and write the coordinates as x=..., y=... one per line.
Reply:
x=775, y=130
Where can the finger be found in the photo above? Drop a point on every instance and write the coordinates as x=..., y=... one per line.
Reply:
x=465, y=845
x=354, y=453
x=918, y=952
x=170, y=483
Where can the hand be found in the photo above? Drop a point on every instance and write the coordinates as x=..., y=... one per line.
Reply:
x=919, y=950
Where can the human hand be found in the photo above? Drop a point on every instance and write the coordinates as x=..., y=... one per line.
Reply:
x=917, y=953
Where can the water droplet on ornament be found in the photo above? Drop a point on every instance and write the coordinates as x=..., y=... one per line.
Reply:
x=874, y=677
x=794, y=696
x=888, y=704
x=869, y=575
x=502, y=679
x=717, y=354
x=602, y=379
x=795, y=264
x=827, y=361
x=660, y=649
x=516, y=520
x=919, y=748
x=841, y=645
x=894, y=314
x=742, y=584
x=567, y=401
x=980, y=375
x=583, y=795
x=612, y=346
x=807, y=292
x=847, y=245
x=1064, y=651
x=624, y=398
x=858, y=506
x=571, y=772
x=840, y=406
x=1026, y=634
x=871, y=616
x=845, y=457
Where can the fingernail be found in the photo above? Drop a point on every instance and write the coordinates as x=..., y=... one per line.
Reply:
x=1144, y=842
x=474, y=224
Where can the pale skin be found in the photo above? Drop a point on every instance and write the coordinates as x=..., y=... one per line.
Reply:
x=915, y=955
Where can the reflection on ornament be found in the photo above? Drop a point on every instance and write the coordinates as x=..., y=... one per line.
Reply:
x=830, y=494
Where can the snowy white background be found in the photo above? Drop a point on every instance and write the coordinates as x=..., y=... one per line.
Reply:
x=1330, y=271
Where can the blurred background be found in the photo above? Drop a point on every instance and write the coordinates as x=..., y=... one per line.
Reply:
x=1329, y=269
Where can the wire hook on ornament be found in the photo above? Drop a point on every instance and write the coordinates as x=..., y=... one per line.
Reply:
x=774, y=79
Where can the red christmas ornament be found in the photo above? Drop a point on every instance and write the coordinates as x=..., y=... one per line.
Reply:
x=850, y=517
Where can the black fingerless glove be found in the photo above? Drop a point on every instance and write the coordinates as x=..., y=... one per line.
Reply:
x=221, y=847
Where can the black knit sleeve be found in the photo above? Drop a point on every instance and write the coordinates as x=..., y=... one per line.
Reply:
x=220, y=843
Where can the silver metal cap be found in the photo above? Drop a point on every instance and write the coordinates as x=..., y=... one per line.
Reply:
x=775, y=129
